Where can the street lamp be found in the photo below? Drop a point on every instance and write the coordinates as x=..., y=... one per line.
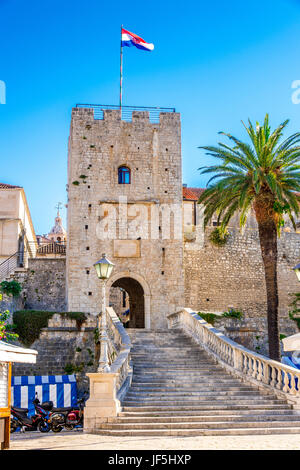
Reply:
x=103, y=269
x=297, y=271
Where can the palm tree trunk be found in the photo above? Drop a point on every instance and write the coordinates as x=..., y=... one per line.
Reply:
x=268, y=244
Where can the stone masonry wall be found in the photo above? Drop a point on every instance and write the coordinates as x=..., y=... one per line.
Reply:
x=232, y=276
x=44, y=286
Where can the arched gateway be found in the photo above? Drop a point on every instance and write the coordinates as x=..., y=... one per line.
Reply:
x=139, y=297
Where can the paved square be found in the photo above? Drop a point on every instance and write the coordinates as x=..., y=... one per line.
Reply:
x=77, y=440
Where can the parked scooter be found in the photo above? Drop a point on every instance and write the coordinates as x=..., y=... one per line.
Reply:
x=37, y=422
x=67, y=417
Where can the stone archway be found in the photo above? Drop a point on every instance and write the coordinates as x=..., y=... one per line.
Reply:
x=139, y=297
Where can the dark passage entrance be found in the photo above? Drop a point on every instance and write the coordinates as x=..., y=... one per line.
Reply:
x=136, y=301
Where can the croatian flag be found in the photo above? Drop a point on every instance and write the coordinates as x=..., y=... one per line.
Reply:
x=130, y=39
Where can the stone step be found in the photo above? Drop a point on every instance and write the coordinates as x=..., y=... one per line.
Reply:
x=211, y=407
x=199, y=425
x=173, y=365
x=207, y=414
x=168, y=354
x=179, y=371
x=205, y=381
x=154, y=331
x=163, y=361
x=144, y=395
x=179, y=384
x=167, y=349
x=208, y=400
x=181, y=389
x=171, y=350
x=201, y=432
x=211, y=419
x=178, y=378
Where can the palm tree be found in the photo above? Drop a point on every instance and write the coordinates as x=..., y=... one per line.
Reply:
x=263, y=176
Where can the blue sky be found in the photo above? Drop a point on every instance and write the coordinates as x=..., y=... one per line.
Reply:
x=216, y=62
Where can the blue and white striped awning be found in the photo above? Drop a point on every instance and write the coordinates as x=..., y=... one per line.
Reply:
x=61, y=389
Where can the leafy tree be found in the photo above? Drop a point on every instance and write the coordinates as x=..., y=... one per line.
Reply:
x=263, y=176
x=5, y=327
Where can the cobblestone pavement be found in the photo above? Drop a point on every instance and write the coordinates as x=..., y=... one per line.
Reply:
x=77, y=440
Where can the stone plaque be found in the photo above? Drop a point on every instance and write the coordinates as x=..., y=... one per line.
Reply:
x=100, y=388
x=127, y=248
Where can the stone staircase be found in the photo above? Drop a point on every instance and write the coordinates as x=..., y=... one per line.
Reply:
x=178, y=390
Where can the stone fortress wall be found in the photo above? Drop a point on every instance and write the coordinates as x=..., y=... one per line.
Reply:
x=232, y=276
x=218, y=278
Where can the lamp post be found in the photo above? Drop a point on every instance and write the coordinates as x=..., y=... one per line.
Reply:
x=297, y=271
x=103, y=269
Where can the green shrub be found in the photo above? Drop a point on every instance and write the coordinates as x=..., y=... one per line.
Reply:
x=73, y=368
x=28, y=323
x=11, y=288
x=208, y=317
x=232, y=313
x=212, y=317
x=218, y=237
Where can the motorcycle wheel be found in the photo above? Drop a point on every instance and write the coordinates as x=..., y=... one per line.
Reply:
x=56, y=428
x=13, y=425
x=43, y=426
x=69, y=427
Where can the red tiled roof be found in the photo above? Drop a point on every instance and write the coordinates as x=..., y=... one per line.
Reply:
x=191, y=194
x=9, y=186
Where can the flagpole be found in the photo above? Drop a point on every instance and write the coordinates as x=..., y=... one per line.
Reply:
x=121, y=71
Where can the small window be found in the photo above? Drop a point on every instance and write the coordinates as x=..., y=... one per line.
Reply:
x=123, y=175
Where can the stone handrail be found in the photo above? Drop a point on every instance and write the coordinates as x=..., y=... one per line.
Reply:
x=108, y=387
x=120, y=344
x=254, y=368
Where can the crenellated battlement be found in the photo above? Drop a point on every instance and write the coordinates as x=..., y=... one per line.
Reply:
x=126, y=113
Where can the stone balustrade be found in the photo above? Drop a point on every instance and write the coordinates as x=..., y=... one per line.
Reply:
x=251, y=367
x=108, y=388
x=120, y=344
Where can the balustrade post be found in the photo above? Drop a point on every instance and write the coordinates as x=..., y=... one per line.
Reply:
x=102, y=326
x=273, y=377
x=285, y=382
x=254, y=369
x=260, y=371
x=236, y=359
x=102, y=402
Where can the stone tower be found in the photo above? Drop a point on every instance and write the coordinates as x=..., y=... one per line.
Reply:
x=58, y=233
x=125, y=200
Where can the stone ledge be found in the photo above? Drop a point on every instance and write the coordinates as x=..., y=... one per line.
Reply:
x=67, y=328
x=241, y=329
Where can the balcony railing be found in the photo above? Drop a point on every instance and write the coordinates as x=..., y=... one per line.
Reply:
x=47, y=248
x=126, y=114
